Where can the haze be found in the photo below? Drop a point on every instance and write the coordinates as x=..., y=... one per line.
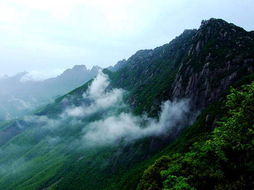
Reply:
x=46, y=37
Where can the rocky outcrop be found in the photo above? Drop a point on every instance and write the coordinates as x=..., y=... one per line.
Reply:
x=220, y=54
x=199, y=64
x=117, y=66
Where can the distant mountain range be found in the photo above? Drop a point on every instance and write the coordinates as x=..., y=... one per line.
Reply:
x=19, y=97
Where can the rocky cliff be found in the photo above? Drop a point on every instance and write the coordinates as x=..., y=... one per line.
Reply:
x=220, y=54
x=199, y=64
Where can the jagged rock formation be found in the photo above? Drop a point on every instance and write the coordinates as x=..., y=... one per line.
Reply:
x=199, y=64
x=220, y=54
x=117, y=66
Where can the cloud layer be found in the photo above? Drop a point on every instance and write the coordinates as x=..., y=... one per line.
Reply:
x=128, y=127
x=115, y=124
x=97, y=98
x=104, y=118
x=101, y=120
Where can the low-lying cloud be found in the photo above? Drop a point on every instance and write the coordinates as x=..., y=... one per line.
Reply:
x=129, y=127
x=115, y=124
x=112, y=120
x=97, y=98
x=101, y=119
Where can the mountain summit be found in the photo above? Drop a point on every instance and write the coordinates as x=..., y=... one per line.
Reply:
x=199, y=64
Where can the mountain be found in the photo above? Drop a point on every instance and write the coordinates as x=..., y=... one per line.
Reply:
x=167, y=118
x=19, y=97
x=199, y=64
x=117, y=66
x=216, y=152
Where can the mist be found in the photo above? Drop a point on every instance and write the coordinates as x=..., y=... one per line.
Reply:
x=97, y=99
x=103, y=119
x=117, y=123
x=23, y=93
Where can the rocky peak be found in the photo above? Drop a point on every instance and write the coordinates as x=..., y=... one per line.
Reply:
x=220, y=53
x=213, y=21
x=95, y=69
x=217, y=33
x=141, y=55
x=218, y=25
x=75, y=69
x=120, y=64
x=79, y=67
x=199, y=64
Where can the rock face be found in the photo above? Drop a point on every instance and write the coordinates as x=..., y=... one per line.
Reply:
x=199, y=64
x=220, y=54
x=117, y=66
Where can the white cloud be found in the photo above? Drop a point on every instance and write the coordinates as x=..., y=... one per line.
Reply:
x=75, y=112
x=40, y=75
x=98, y=87
x=114, y=124
x=127, y=127
x=44, y=122
x=75, y=130
x=97, y=98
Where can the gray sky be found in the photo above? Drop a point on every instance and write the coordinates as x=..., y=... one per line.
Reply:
x=47, y=36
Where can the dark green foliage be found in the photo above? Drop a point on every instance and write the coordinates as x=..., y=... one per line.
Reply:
x=221, y=160
x=149, y=74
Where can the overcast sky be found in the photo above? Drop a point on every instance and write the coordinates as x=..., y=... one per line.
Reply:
x=48, y=36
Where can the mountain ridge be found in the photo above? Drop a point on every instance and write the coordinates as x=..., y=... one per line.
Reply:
x=188, y=52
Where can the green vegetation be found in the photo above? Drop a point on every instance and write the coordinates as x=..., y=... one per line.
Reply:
x=215, y=152
x=223, y=159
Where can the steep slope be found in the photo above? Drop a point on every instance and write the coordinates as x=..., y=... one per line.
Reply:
x=117, y=66
x=200, y=64
x=220, y=159
x=220, y=54
x=51, y=145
